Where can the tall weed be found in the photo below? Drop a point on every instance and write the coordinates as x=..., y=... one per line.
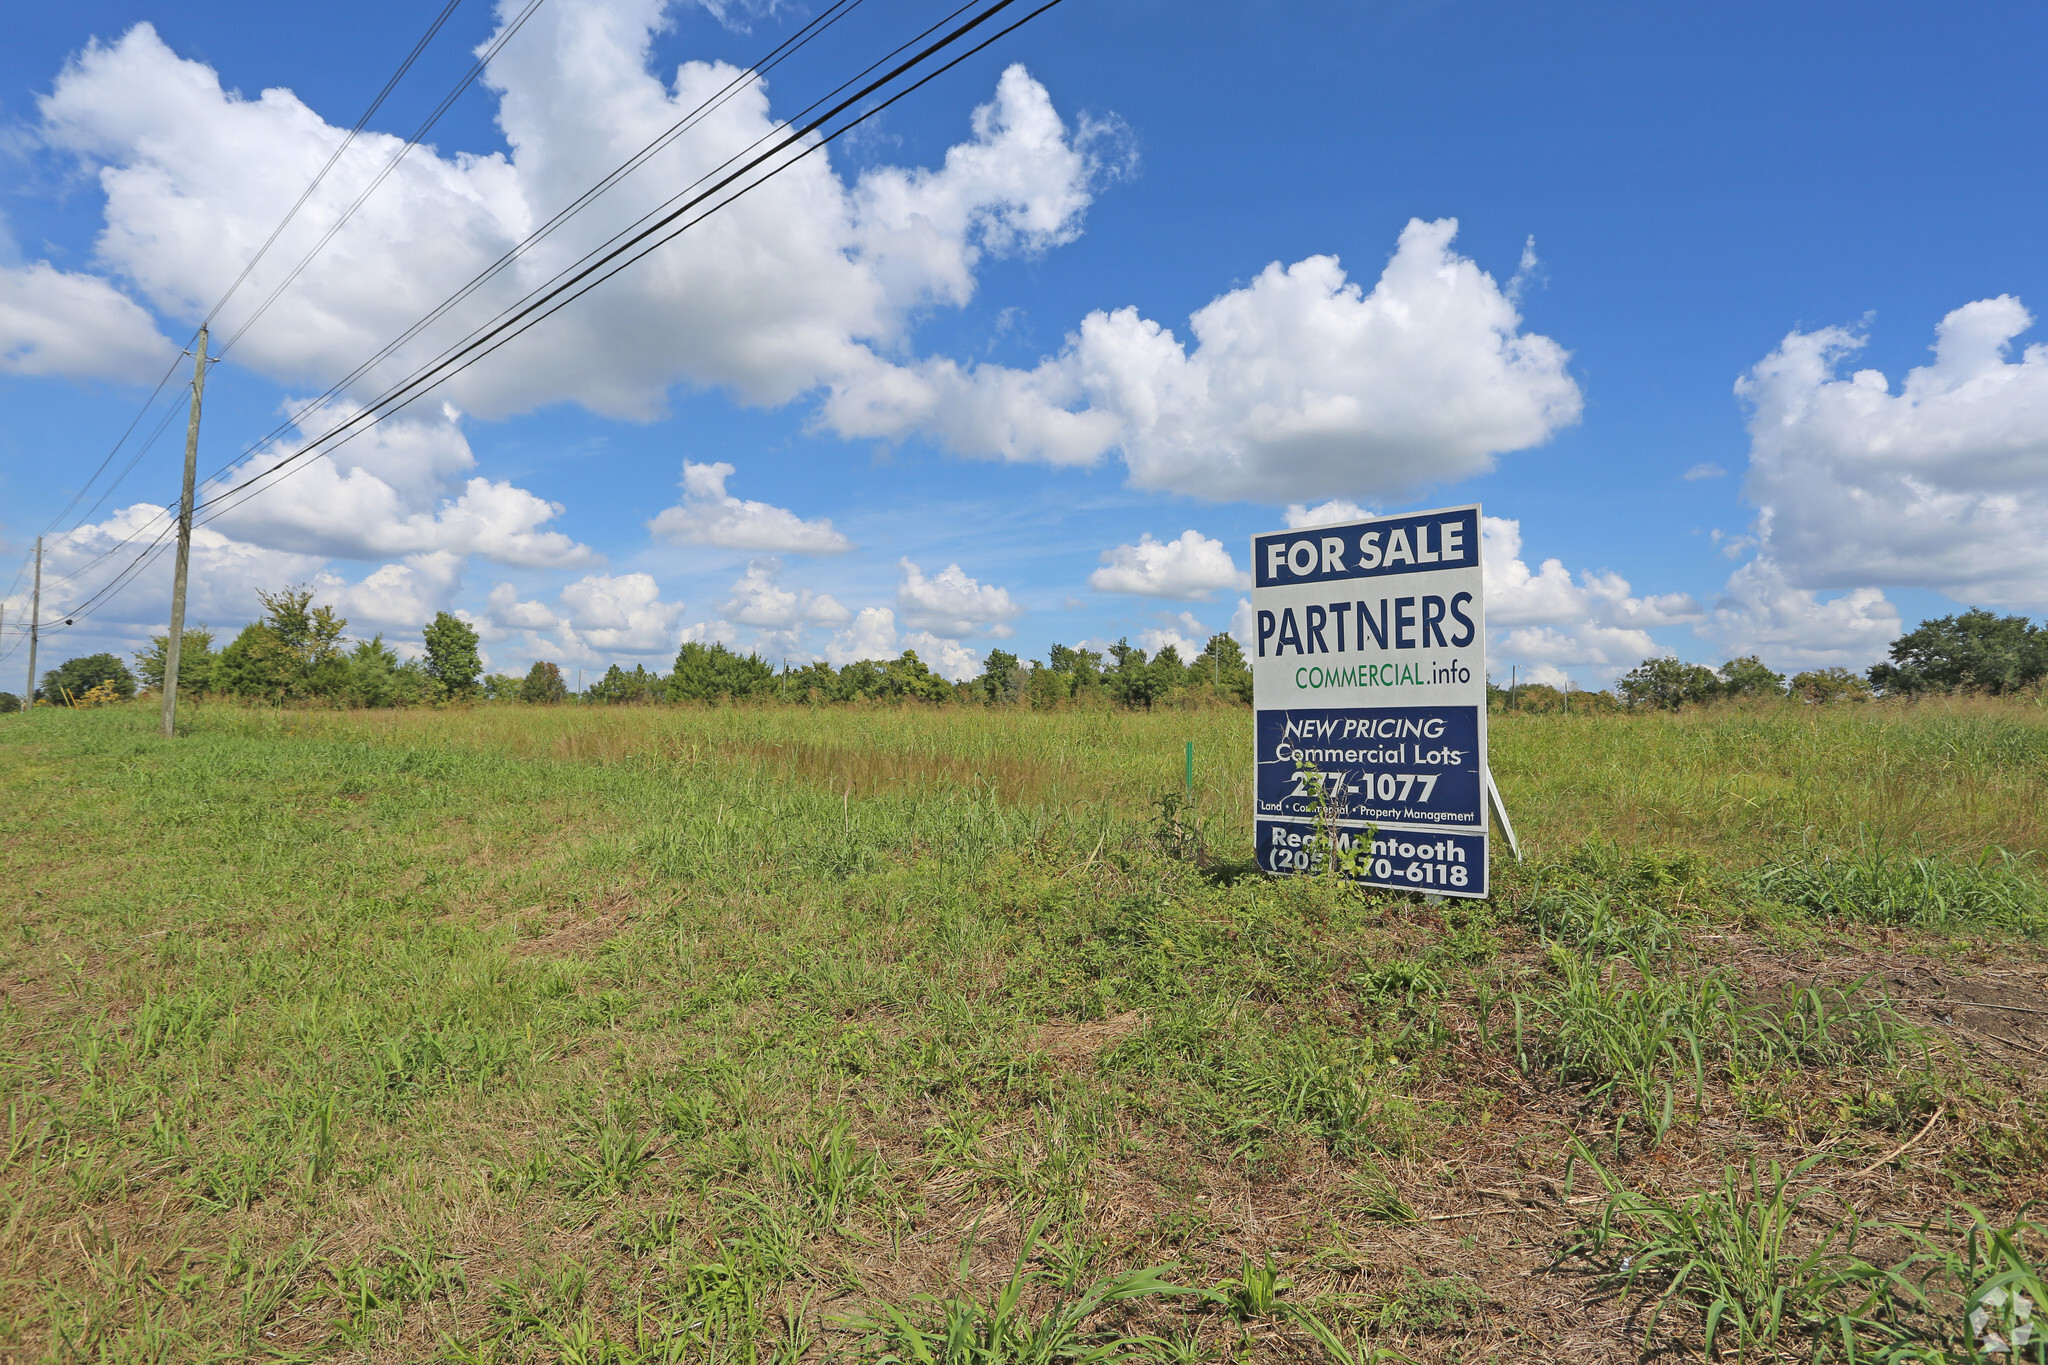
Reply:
x=1877, y=884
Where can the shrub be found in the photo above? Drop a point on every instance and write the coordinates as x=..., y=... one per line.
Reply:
x=375, y=677
x=452, y=660
x=1973, y=652
x=1668, y=683
x=293, y=652
x=195, y=662
x=617, y=685
x=543, y=684
x=710, y=672
x=1748, y=676
x=74, y=678
x=1820, y=686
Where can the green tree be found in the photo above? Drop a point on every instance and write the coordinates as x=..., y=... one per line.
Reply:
x=1169, y=674
x=1540, y=699
x=1221, y=667
x=251, y=666
x=617, y=686
x=815, y=681
x=76, y=677
x=1129, y=679
x=543, y=685
x=1002, y=677
x=1084, y=666
x=452, y=658
x=293, y=652
x=1665, y=682
x=195, y=662
x=9, y=703
x=1048, y=687
x=862, y=679
x=1823, y=685
x=375, y=677
x=1976, y=651
x=711, y=672
x=908, y=677
x=1748, y=676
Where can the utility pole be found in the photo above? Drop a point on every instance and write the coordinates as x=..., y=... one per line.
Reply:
x=174, y=645
x=35, y=621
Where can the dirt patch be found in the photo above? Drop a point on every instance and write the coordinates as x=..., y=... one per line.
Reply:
x=569, y=932
x=1072, y=1043
x=2002, y=1002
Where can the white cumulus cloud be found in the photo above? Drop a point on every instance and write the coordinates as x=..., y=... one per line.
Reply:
x=949, y=659
x=951, y=604
x=404, y=595
x=55, y=322
x=872, y=635
x=1940, y=481
x=1335, y=512
x=1546, y=615
x=708, y=515
x=1191, y=567
x=1300, y=385
x=225, y=576
x=783, y=291
x=597, y=620
x=397, y=489
x=1792, y=629
x=759, y=599
x=1159, y=637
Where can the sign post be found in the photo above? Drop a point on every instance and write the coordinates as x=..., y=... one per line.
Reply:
x=1369, y=694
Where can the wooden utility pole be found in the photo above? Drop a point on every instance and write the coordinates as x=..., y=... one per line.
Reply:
x=174, y=645
x=35, y=621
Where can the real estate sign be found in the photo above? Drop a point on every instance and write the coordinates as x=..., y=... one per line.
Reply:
x=1369, y=687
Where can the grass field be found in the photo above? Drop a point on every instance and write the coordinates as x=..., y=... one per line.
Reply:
x=588, y=1035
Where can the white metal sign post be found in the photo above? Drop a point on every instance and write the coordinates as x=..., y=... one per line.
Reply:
x=1369, y=688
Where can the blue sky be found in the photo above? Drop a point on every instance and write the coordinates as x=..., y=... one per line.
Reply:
x=1651, y=203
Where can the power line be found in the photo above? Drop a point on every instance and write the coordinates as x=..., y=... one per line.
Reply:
x=476, y=69
x=339, y=152
x=291, y=213
x=751, y=76
x=518, y=319
x=575, y=282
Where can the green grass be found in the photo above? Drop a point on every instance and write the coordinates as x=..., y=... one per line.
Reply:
x=791, y=1034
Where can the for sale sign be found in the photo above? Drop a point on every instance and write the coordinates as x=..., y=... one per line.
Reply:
x=1369, y=683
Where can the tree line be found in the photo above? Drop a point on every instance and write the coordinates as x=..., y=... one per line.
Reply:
x=299, y=652
x=1976, y=651
x=1122, y=675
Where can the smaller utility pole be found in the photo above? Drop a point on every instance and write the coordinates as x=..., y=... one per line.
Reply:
x=35, y=621
x=174, y=644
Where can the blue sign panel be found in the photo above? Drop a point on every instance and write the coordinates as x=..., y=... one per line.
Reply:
x=1433, y=861
x=1428, y=542
x=1368, y=658
x=1413, y=765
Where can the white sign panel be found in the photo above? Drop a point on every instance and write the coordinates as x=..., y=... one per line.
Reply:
x=1369, y=688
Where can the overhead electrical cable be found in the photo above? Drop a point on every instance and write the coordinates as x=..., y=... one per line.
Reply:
x=342, y=150
x=476, y=69
x=546, y=302
x=392, y=84
x=616, y=256
x=710, y=105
